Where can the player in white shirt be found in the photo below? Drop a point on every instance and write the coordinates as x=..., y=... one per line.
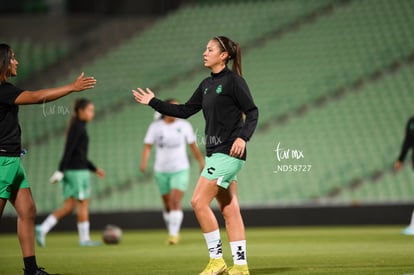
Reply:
x=170, y=137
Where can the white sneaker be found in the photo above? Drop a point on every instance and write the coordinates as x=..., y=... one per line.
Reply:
x=408, y=231
x=90, y=243
x=40, y=236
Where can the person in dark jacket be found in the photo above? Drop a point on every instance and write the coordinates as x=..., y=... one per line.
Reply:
x=74, y=172
x=407, y=144
x=14, y=185
x=231, y=117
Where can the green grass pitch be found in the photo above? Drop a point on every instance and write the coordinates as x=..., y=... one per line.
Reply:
x=283, y=250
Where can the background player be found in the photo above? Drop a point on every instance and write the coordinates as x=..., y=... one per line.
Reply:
x=407, y=144
x=75, y=170
x=170, y=137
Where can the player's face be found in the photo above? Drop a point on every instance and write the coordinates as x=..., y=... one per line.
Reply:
x=87, y=113
x=213, y=56
x=13, y=64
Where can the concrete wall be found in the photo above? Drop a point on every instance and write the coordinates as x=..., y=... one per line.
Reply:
x=286, y=216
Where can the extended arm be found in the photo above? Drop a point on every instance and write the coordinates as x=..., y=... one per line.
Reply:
x=45, y=95
x=147, y=97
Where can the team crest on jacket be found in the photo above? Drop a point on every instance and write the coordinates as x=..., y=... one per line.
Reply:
x=219, y=89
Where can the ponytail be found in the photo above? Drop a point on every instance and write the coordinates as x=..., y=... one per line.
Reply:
x=234, y=53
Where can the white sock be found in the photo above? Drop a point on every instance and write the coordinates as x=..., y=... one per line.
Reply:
x=412, y=220
x=166, y=217
x=214, y=245
x=238, y=250
x=48, y=223
x=83, y=230
x=176, y=218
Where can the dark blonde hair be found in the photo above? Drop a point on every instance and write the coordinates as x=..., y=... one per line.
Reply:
x=5, y=56
x=233, y=50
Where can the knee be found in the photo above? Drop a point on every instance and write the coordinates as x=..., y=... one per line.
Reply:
x=69, y=207
x=230, y=210
x=174, y=204
x=197, y=203
x=29, y=213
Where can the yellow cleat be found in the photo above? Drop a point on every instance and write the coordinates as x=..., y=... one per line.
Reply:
x=215, y=267
x=238, y=270
x=173, y=240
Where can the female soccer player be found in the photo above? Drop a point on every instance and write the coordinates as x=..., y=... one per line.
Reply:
x=74, y=171
x=224, y=97
x=170, y=136
x=14, y=185
x=407, y=144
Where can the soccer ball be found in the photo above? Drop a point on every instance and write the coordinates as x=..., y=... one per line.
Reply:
x=111, y=234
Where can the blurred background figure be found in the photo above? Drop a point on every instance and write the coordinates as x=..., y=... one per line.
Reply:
x=74, y=172
x=408, y=143
x=170, y=136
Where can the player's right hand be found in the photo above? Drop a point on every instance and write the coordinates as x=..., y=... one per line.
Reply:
x=143, y=97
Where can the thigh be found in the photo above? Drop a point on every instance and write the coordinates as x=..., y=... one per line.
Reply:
x=2, y=205
x=12, y=176
x=227, y=197
x=179, y=180
x=23, y=202
x=163, y=182
x=205, y=191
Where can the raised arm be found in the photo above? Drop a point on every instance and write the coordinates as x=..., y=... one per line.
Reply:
x=45, y=95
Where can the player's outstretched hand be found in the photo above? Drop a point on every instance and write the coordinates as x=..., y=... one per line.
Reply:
x=143, y=97
x=83, y=82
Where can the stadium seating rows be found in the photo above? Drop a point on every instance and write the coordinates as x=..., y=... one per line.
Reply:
x=34, y=57
x=343, y=140
x=170, y=49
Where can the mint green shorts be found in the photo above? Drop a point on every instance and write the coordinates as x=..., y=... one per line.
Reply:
x=223, y=168
x=76, y=184
x=176, y=180
x=12, y=176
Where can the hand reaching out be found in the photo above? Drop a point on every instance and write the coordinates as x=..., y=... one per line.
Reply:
x=83, y=83
x=143, y=97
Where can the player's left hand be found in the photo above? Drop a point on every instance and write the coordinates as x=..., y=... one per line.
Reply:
x=100, y=173
x=238, y=147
